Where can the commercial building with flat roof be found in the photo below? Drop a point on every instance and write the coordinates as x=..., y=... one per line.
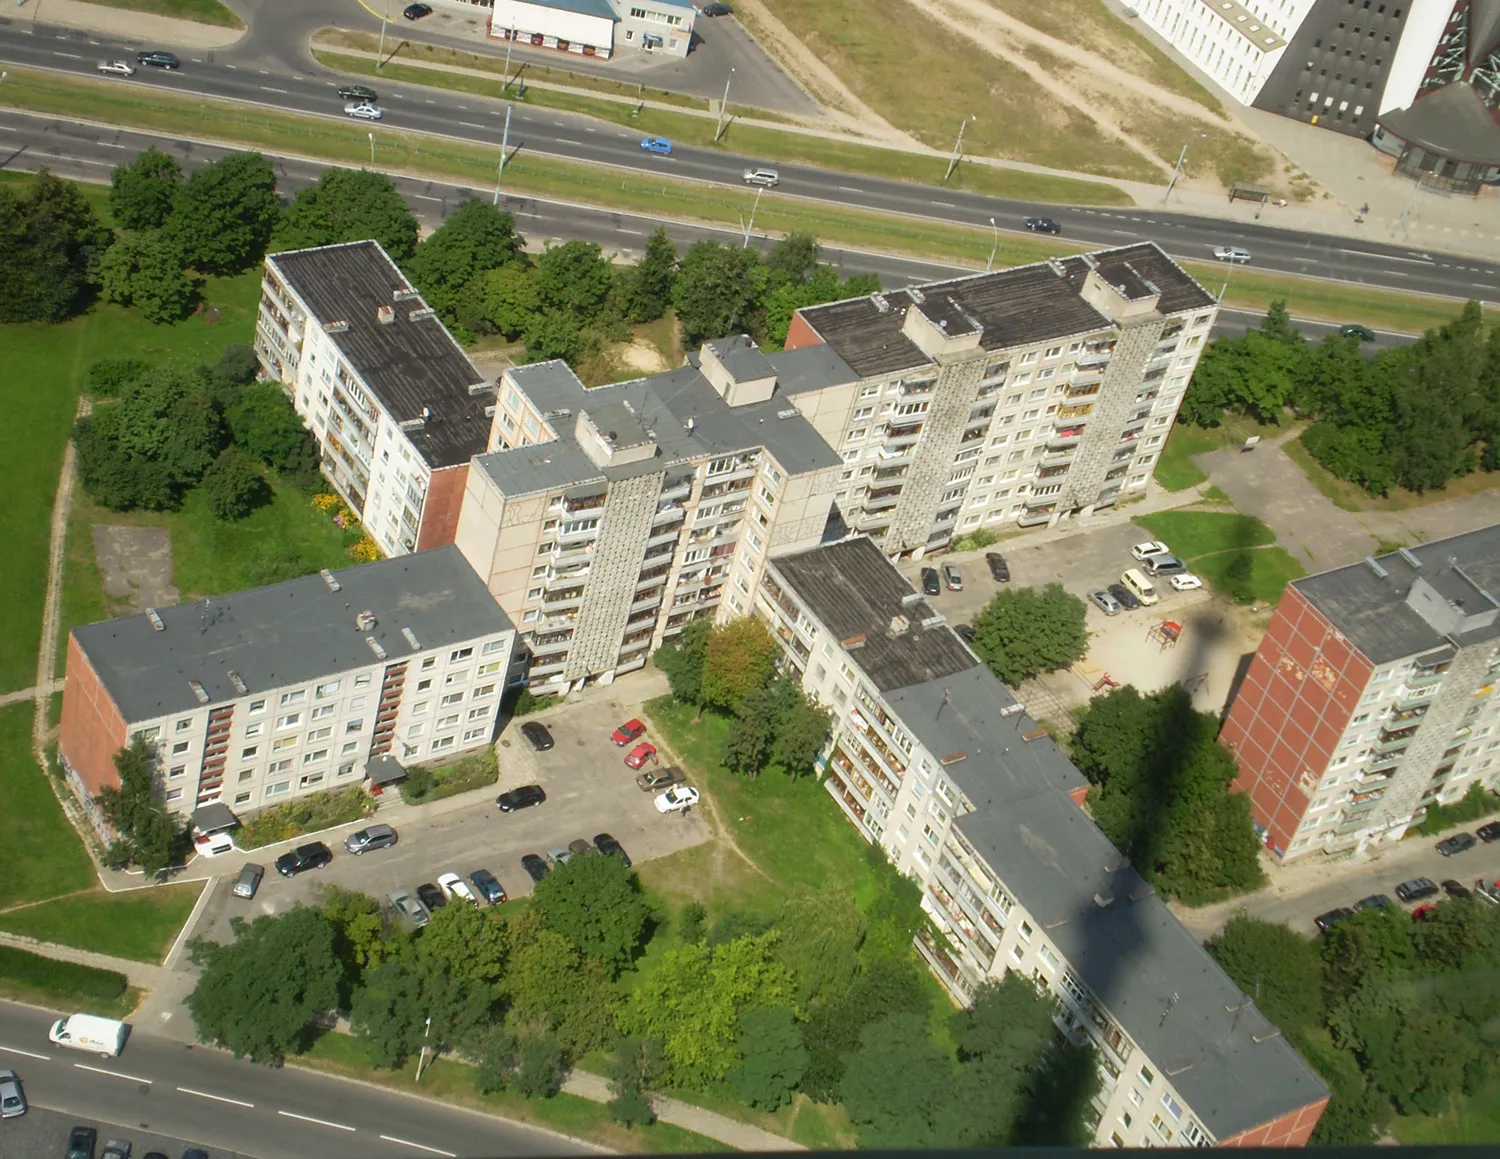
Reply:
x=597, y=28
x=931, y=758
x=397, y=407
x=1372, y=697
x=260, y=696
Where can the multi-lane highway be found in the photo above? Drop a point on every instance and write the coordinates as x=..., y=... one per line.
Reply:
x=206, y=1096
x=478, y=119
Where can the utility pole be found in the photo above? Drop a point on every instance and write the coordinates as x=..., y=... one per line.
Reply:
x=504, y=145
x=990, y=265
x=35, y=8
x=958, y=147
x=380, y=52
x=1176, y=172
x=509, y=42
x=1401, y=221
x=723, y=106
x=423, y=1054
x=372, y=150
x=753, y=208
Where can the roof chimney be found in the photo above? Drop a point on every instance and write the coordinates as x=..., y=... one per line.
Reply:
x=899, y=624
x=365, y=621
x=385, y=315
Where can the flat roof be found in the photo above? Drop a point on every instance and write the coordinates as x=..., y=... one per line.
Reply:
x=599, y=8
x=1371, y=611
x=1453, y=122
x=1015, y=307
x=288, y=633
x=410, y=363
x=1261, y=36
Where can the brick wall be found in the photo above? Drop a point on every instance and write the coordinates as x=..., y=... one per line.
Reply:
x=1289, y=1130
x=800, y=334
x=445, y=497
x=92, y=730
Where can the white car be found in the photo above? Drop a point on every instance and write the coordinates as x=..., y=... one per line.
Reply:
x=117, y=67
x=1186, y=582
x=766, y=178
x=1232, y=253
x=1143, y=551
x=364, y=111
x=676, y=799
x=454, y=887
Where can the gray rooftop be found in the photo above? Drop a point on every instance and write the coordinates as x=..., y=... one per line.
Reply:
x=410, y=363
x=741, y=357
x=1452, y=121
x=1371, y=610
x=599, y=8
x=810, y=368
x=1229, y=1063
x=288, y=633
x=1015, y=307
x=665, y=406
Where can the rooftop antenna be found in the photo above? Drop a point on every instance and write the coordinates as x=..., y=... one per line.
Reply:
x=1171, y=1002
x=947, y=699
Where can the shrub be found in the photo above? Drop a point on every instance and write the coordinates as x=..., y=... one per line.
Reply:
x=109, y=376
x=83, y=986
x=471, y=772
x=519, y=701
x=1476, y=803
x=309, y=814
x=975, y=540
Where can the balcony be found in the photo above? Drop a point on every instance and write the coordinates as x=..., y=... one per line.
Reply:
x=666, y=535
x=586, y=503
x=1075, y=412
x=920, y=387
x=669, y=513
x=889, y=453
x=1095, y=355
x=1054, y=471
x=675, y=492
x=718, y=489
x=899, y=432
x=1083, y=389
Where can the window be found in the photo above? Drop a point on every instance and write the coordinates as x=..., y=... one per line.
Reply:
x=280, y=766
x=176, y=771
x=315, y=756
x=478, y=713
x=320, y=733
x=327, y=689
x=277, y=789
x=456, y=678
x=248, y=752
x=354, y=725
x=174, y=794
x=241, y=798
x=283, y=743
x=482, y=691
x=253, y=730
x=349, y=747
x=346, y=769
x=361, y=681
x=1026, y=930
x=451, y=698
x=459, y=654
x=492, y=667
x=323, y=712
x=184, y=725
x=257, y=705
x=419, y=708
x=448, y=721
x=430, y=661
x=442, y=742
x=1173, y=1107
x=293, y=697
x=310, y=780
x=415, y=730
x=423, y=685
x=290, y=720
x=1146, y=1076
x=179, y=748
x=474, y=734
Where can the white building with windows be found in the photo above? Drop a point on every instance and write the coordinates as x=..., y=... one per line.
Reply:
x=1238, y=43
x=597, y=28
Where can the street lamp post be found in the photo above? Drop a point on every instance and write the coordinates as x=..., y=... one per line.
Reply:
x=504, y=145
x=422, y=1056
x=1401, y=221
x=990, y=265
x=508, y=44
x=372, y=150
x=751, y=224
x=1176, y=173
x=380, y=52
x=958, y=146
x=723, y=106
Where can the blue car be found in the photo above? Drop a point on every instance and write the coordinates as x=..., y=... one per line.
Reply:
x=657, y=145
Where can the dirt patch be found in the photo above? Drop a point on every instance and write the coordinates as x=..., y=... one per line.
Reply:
x=135, y=564
x=639, y=355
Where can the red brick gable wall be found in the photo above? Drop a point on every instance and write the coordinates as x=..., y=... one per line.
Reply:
x=92, y=730
x=1290, y=1130
x=445, y=495
x=800, y=334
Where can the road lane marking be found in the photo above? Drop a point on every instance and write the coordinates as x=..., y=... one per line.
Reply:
x=113, y=145
x=269, y=89
x=470, y=125
x=565, y=141
x=215, y=1098
x=851, y=189
x=945, y=204
x=27, y=1053
x=1389, y=257
x=418, y=1146
x=637, y=232
x=114, y=1074
x=426, y=197
x=69, y=55
x=320, y=1122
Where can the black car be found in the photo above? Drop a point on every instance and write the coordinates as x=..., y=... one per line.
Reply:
x=931, y=585
x=431, y=896
x=604, y=843
x=1488, y=833
x=157, y=58
x=303, y=858
x=416, y=11
x=1374, y=901
x=1125, y=596
x=489, y=886
x=81, y=1141
x=999, y=569
x=716, y=10
x=522, y=798
x=358, y=93
x=1457, y=889
x=964, y=632
x=1457, y=844
x=1042, y=225
x=535, y=867
x=1355, y=330
x=1326, y=922
x=1417, y=889
x=537, y=736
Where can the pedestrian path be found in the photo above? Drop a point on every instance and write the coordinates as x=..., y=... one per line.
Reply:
x=25, y=694
x=138, y=27
x=732, y=1132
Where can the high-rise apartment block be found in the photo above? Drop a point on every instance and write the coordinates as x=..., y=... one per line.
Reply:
x=397, y=407
x=1372, y=696
x=932, y=759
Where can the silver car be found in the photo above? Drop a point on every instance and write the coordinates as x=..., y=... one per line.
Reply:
x=1106, y=603
x=767, y=178
x=116, y=68
x=409, y=909
x=1232, y=253
x=364, y=111
x=12, y=1097
x=370, y=837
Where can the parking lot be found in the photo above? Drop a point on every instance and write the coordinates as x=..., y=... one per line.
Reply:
x=589, y=791
x=42, y=1132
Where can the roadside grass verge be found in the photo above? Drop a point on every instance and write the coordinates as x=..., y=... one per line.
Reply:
x=1352, y=497
x=64, y=986
x=452, y=1082
x=1234, y=553
x=140, y=924
x=1175, y=469
x=198, y=11
x=40, y=855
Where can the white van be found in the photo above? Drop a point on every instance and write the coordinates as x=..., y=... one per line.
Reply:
x=1141, y=586
x=104, y=1036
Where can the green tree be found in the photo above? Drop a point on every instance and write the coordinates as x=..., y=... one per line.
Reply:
x=885, y=984
x=801, y=732
x=747, y=746
x=504, y=300
x=237, y=366
x=772, y=1058
x=635, y=1067
x=361, y=936
x=232, y=487
x=145, y=833
x=575, y=277
x=1277, y=325
x=387, y=1013
x=682, y=659
x=223, y=214
x=596, y=904
x=553, y=334
x=50, y=246
x=347, y=205
x=716, y=291
x=1022, y=632
x=897, y=1085
x=465, y=943
x=264, y=425
x=820, y=939
x=141, y=192
x=476, y=237
x=740, y=658
x=259, y=996
x=141, y=270
x=109, y=376
x=549, y=982
x=1276, y=965
x=648, y=289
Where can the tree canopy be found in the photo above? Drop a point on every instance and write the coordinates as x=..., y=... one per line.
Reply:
x=142, y=192
x=50, y=246
x=143, y=271
x=1022, y=632
x=145, y=833
x=348, y=205
x=475, y=238
x=223, y=214
x=595, y=903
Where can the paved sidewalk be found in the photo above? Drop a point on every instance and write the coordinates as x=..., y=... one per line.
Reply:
x=138, y=27
x=24, y=694
x=740, y=1136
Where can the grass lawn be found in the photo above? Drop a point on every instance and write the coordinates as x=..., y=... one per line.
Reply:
x=64, y=986
x=1472, y=1119
x=140, y=924
x=198, y=11
x=40, y=855
x=452, y=1082
x=1193, y=534
x=1229, y=551
x=1352, y=497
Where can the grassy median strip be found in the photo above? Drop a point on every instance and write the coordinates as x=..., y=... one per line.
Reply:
x=198, y=11
x=28, y=977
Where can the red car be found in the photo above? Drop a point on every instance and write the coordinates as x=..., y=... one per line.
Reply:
x=1423, y=913
x=627, y=732
x=643, y=752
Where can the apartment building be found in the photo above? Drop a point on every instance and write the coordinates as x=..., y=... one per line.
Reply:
x=1018, y=397
x=932, y=759
x=1237, y=44
x=604, y=520
x=397, y=407
x=1372, y=697
x=261, y=696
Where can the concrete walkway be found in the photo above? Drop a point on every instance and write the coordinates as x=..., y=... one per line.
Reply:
x=740, y=1136
x=139, y=27
x=24, y=694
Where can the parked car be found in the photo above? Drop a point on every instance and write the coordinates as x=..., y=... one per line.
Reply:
x=1185, y=582
x=676, y=799
x=1488, y=833
x=953, y=577
x=658, y=145
x=1457, y=889
x=1487, y=890
x=116, y=1149
x=628, y=732
x=81, y=1142
x=1106, y=603
x=154, y=1155
x=1458, y=843
x=604, y=843
x=158, y=58
x=965, y=632
x=537, y=735
x=214, y=844
x=311, y=856
x=1042, y=225
x=535, y=867
x=931, y=585
x=716, y=10
x=1423, y=913
x=1125, y=596
x=766, y=178
x=660, y=778
x=116, y=68
x=1168, y=565
x=195, y=1153
x=370, y=837
x=409, y=910
x=364, y=111
x=454, y=887
x=1417, y=889
x=431, y=896
x=1143, y=551
x=999, y=569
x=643, y=752
x=1326, y=921
x=578, y=847
x=246, y=884
x=1232, y=253
x=489, y=886
x=1374, y=901
x=12, y=1096
x=1355, y=330
x=416, y=11
x=358, y=93
x=559, y=855
x=523, y=798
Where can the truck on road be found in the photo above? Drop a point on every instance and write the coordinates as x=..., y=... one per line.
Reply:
x=103, y=1036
